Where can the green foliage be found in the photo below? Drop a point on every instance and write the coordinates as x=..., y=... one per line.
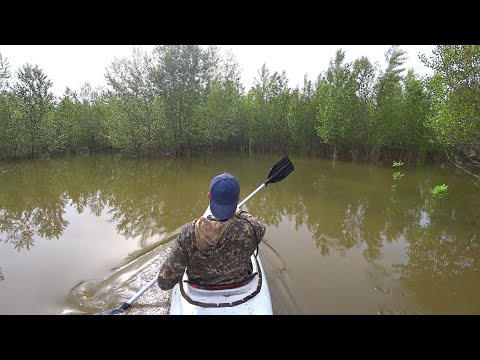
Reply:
x=7, y=125
x=339, y=106
x=220, y=106
x=180, y=74
x=268, y=119
x=455, y=88
x=184, y=98
x=439, y=191
x=301, y=119
x=77, y=123
x=364, y=74
x=388, y=131
x=398, y=175
x=5, y=74
x=33, y=102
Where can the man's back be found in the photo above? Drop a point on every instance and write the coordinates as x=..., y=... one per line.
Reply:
x=219, y=252
x=213, y=252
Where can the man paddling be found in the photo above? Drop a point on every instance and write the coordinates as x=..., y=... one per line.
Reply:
x=215, y=251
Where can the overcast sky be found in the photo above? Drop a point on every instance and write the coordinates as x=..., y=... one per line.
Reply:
x=73, y=65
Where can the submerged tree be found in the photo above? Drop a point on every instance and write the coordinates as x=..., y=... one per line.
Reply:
x=388, y=125
x=6, y=110
x=338, y=104
x=302, y=119
x=180, y=75
x=34, y=99
x=456, y=89
x=131, y=124
x=4, y=73
x=364, y=73
x=181, y=99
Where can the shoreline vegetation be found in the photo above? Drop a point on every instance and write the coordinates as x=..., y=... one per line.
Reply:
x=180, y=100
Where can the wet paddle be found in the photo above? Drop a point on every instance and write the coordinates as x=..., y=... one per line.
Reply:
x=277, y=173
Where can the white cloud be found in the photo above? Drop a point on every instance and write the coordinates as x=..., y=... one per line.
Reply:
x=298, y=60
x=67, y=65
x=73, y=65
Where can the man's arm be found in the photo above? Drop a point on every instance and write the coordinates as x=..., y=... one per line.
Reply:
x=172, y=270
x=259, y=228
x=257, y=225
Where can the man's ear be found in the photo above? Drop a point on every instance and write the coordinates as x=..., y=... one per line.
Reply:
x=208, y=196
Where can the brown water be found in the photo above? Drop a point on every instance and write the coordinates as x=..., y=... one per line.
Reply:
x=82, y=234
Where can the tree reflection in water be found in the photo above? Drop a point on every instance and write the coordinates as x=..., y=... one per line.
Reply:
x=144, y=198
x=345, y=207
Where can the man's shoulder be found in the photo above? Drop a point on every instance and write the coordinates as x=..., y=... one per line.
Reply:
x=243, y=215
x=187, y=235
x=188, y=228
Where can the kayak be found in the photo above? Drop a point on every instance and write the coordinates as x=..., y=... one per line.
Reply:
x=250, y=299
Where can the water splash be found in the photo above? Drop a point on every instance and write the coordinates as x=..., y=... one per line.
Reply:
x=95, y=296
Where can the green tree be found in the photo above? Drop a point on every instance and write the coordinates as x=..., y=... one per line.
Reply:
x=364, y=74
x=338, y=104
x=8, y=134
x=302, y=119
x=387, y=125
x=455, y=86
x=268, y=105
x=6, y=110
x=134, y=127
x=416, y=112
x=257, y=112
x=77, y=123
x=5, y=74
x=35, y=100
x=180, y=75
x=217, y=122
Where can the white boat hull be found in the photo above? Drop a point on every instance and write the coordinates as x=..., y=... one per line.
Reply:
x=196, y=301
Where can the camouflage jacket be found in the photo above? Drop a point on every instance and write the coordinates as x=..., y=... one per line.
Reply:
x=213, y=252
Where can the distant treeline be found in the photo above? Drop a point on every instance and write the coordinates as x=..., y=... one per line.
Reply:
x=181, y=99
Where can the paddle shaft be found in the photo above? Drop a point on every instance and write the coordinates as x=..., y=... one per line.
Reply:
x=251, y=195
x=254, y=192
x=140, y=293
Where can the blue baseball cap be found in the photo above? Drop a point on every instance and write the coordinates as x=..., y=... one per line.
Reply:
x=224, y=193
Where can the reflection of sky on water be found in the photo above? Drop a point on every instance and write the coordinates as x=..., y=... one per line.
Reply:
x=424, y=219
x=340, y=231
x=52, y=267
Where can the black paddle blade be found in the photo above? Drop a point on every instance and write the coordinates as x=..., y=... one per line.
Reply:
x=280, y=171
